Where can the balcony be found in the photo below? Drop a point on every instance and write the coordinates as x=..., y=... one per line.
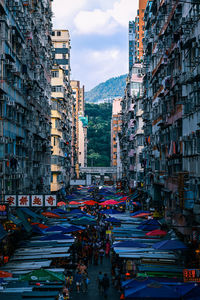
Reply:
x=131, y=152
x=55, y=168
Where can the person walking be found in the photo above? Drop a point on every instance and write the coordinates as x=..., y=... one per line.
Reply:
x=100, y=279
x=107, y=248
x=105, y=284
x=101, y=255
x=78, y=280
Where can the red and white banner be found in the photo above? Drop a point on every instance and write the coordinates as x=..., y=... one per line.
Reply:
x=50, y=200
x=11, y=200
x=23, y=200
x=37, y=200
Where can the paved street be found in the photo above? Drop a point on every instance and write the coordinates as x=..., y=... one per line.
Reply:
x=93, y=292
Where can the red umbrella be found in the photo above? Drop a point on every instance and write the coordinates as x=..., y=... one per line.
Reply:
x=141, y=215
x=124, y=198
x=61, y=203
x=4, y=274
x=75, y=203
x=90, y=202
x=42, y=226
x=109, y=202
x=156, y=232
x=50, y=214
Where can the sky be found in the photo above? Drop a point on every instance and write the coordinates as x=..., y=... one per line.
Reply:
x=99, y=37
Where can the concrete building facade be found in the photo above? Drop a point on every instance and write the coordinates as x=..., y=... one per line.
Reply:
x=25, y=90
x=171, y=110
x=139, y=31
x=131, y=46
x=131, y=139
x=116, y=124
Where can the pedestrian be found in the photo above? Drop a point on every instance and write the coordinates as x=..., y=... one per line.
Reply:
x=100, y=279
x=78, y=280
x=101, y=255
x=96, y=257
x=107, y=248
x=105, y=284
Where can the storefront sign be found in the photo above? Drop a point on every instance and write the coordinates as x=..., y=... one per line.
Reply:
x=31, y=200
x=50, y=200
x=3, y=211
x=11, y=200
x=23, y=200
x=36, y=200
x=191, y=275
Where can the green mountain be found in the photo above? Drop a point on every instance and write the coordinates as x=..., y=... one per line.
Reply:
x=98, y=134
x=113, y=87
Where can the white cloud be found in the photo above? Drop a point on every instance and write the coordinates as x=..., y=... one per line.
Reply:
x=106, y=21
x=96, y=21
x=65, y=11
x=98, y=66
x=124, y=11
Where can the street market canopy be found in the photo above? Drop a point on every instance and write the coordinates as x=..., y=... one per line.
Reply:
x=113, y=220
x=56, y=236
x=43, y=275
x=156, y=232
x=129, y=244
x=110, y=211
x=169, y=245
x=152, y=290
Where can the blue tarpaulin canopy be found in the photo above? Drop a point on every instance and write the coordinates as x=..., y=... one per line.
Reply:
x=59, y=211
x=169, y=245
x=139, y=212
x=110, y=211
x=151, y=222
x=152, y=290
x=130, y=244
x=56, y=236
x=113, y=220
x=56, y=228
x=148, y=227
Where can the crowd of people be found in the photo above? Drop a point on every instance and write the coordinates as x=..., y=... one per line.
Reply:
x=90, y=247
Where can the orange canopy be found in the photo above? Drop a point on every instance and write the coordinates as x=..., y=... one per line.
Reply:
x=50, y=214
x=4, y=274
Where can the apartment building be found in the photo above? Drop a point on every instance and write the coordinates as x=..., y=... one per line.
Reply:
x=61, y=120
x=116, y=124
x=81, y=126
x=171, y=110
x=131, y=138
x=62, y=114
x=26, y=58
x=139, y=31
x=131, y=46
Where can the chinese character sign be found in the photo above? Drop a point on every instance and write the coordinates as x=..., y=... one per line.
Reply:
x=23, y=200
x=191, y=275
x=36, y=200
x=50, y=200
x=11, y=200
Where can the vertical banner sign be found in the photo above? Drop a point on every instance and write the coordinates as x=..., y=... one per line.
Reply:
x=50, y=200
x=36, y=200
x=11, y=200
x=23, y=200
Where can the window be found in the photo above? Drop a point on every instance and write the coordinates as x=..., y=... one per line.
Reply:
x=53, y=33
x=58, y=33
x=64, y=56
x=64, y=45
x=57, y=88
x=55, y=74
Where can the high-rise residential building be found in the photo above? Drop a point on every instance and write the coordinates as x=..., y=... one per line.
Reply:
x=131, y=138
x=25, y=90
x=131, y=38
x=139, y=30
x=78, y=93
x=61, y=120
x=61, y=90
x=172, y=111
x=61, y=43
x=116, y=124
